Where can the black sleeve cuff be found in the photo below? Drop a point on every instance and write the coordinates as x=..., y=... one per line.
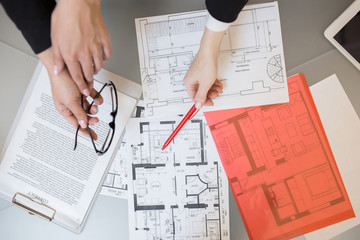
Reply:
x=32, y=18
x=225, y=10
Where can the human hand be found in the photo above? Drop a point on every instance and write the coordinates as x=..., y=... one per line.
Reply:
x=201, y=80
x=67, y=97
x=80, y=40
x=67, y=101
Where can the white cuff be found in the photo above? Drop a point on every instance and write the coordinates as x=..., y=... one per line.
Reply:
x=215, y=25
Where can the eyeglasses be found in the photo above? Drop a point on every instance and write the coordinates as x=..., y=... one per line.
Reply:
x=103, y=143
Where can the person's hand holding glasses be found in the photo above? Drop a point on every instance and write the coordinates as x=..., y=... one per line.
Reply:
x=106, y=125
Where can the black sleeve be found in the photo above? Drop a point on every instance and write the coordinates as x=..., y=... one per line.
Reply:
x=225, y=10
x=32, y=18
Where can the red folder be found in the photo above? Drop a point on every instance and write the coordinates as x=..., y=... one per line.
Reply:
x=280, y=167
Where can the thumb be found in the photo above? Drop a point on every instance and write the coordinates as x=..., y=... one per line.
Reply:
x=201, y=95
x=58, y=62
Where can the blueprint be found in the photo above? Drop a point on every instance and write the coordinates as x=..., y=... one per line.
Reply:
x=178, y=193
x=251, y=61
x=116, y=182
x=280, y=166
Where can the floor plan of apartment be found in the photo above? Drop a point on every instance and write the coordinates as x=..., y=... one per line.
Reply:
x=251, y=62
x=280, y=166
x=116, y=182
x=180, y=192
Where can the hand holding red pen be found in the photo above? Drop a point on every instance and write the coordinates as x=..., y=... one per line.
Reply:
x=201, y=80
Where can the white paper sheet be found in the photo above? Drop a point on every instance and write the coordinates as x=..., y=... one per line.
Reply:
x=116, y=182
x=251, y=61
x=342, y=127
x=178, y=193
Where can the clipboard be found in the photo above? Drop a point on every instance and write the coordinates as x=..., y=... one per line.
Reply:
x=37, y=202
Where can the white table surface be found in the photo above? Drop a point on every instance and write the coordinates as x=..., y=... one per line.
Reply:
x=306, y=50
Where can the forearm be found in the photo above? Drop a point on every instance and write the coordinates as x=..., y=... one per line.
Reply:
x=221, y=15
x=32, y=18
x=210, y=43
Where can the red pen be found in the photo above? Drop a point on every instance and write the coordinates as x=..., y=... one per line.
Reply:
x=193, y=111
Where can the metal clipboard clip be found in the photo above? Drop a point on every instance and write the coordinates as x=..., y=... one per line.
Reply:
x=24, y=201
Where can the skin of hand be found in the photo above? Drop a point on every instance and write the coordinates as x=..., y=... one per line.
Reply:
x=67, y=97
x=80, y=40
x=201, y=80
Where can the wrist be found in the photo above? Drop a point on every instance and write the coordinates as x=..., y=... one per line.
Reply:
x=69, y=3
x=215, y=25
x=46, y=58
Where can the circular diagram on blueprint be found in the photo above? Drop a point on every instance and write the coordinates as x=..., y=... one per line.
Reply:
x=275, y=69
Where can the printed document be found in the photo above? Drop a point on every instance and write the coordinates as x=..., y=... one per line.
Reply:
x=39, y=161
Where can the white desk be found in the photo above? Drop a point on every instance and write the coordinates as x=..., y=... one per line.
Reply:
x=306, y=50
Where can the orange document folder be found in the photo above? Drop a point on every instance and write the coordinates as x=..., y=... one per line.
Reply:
x=280, y=167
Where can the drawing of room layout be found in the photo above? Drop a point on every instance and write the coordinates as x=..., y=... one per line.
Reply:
x=177, y=193
x=276, y=158
x=116, y=181
x=117, y=176
x=169, y=43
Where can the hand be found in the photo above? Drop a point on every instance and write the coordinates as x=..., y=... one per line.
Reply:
x=80, y=40
x=67, y=97
x=67, y=101
x=201, y=80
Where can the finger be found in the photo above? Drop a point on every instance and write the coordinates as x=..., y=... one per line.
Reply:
x=218, y=83
x=85, y=131
x=93, y=133
x=69, y=116
x=106, y=48
x=93, y=120
x=209, y=102
x=94, y=109
x=97, y=59
x=77, y=76
x=99, y=99
x=88, y=69
x=79, y=113
x=58, y=61
x=86, y=104
x=191, y=87
x=216, y=88
x=212, y=94
x=201, y=94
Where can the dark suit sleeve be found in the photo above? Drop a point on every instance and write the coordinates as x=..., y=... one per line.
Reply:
x=225, y=10
x=32, y=18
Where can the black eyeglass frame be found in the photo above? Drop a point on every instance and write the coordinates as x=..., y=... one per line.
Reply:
x=111, y=124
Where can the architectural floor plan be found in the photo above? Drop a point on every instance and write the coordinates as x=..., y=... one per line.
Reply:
x=251, y=62
x=178, y=193
x=116, y=182
x=280, y=166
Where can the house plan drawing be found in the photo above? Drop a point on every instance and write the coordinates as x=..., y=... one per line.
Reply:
x=280, y=166
x=251, y=62
x=178, y=193
x=116, y=182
